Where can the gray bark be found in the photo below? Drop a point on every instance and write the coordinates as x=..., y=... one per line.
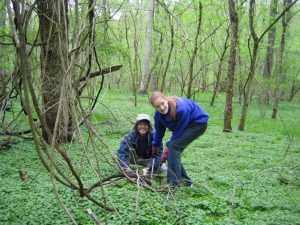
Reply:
x=193, y=57
x=271, y=41
x=280, y=72
x=269, y=52
x=54, y=63
x=3, y=77
x=148, y=49
x=256, y=41
x=231, y=66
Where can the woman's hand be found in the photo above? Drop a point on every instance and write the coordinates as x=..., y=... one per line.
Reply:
x=154, y=150
x=164, y=155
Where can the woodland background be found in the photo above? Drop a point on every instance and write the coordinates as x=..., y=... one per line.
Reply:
x=74, y=74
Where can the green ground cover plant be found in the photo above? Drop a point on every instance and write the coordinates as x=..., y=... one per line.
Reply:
x=249, y=177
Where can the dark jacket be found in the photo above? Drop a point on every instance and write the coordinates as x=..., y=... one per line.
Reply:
x=129, y=143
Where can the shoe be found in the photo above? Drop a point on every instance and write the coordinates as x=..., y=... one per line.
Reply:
x=163, y=169
x=188, y=183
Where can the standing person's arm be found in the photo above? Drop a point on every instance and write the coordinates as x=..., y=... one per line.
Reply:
x=157, y=157
x=182, y=119
x=160, y=130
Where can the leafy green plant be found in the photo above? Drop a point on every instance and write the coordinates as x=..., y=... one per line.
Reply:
x=249, y=177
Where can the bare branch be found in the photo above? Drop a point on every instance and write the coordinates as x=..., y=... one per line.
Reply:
x=100, y=73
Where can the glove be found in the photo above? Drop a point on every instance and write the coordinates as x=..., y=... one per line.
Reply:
x=130, y=173
x=150, y=165
x=145, y=171
x=127, y=170
x=154, y=150
x=124, y=165
x=164, y=155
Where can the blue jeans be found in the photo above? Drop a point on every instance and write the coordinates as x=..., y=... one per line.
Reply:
x=176, y=172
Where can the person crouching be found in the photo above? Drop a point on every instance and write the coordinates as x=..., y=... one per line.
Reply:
x=135, y=147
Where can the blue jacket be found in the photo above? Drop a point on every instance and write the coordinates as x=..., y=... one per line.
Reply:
x=130, y=141
x=187, y=112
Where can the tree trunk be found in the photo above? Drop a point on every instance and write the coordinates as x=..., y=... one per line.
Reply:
x=133, y=66
x=271, y=41
x=251, y=73
x=231, y=66
x=289, y=15
x=295, y=88
x=148, y=49
x=54, y=64
x=247, y=89
x=194, y=53
x=163, y=82
x=204, y=78
x=280, y=65
x=3, y=76
x=152, y=78
x=264, y=99
x=248, y=84
x=105, y=18
x=219, y=71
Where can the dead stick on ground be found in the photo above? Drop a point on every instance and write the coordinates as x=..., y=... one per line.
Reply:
x=94, y=217
x=232, y=202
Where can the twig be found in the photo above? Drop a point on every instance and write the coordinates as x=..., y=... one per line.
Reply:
x=137, y=200
x=180, y=25
x=94, y=217
x=232, y=202
x=202, y=185
x=101, y=72
x=18, y=133
x=290, y=137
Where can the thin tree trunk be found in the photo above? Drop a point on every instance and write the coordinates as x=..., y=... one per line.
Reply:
x=295, y=88
x=182, y=77
x=133, y=65
x=294, y=91
x=194, y=53
x=3, y=75
x=148, y=49
x=271, y=41
x=264, y=99
x=91, y=36
x=289, y=15
x=231, y=66
x=280, y=65
x=162, y=87
x=219, y=71
x=105, y=14
x=152, y=75
x=203, y=76
x=247, y=89
x=251, y=73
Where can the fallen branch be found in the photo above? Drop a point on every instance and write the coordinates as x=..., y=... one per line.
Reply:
x=132, y=177
x=100, y=73
x=19, y=134
x=7, y=144
x=94, y=217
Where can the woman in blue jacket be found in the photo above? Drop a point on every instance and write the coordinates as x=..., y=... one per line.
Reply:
x=136, y=146
x=187, y=121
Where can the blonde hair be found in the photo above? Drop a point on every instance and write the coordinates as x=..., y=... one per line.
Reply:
x=171, y=100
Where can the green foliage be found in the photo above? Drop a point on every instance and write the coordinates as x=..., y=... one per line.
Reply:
x=249, y=177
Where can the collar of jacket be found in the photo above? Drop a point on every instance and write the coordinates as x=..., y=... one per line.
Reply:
x=133, y=137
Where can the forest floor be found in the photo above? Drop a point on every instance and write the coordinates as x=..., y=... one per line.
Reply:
x=249, y=177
